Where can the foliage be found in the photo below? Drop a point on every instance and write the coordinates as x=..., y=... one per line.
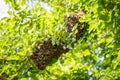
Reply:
x=95, y=56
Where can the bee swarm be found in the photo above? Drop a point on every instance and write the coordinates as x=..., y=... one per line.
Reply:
x=45, y=51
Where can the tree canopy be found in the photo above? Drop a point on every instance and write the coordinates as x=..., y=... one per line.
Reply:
x=95, y=56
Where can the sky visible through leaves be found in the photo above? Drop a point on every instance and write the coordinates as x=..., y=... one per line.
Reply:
x=3, y=9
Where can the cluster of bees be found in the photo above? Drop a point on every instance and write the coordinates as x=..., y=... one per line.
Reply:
x=46, y=51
